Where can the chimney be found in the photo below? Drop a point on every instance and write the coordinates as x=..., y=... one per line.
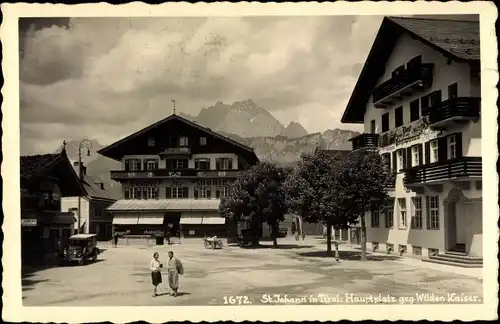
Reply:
x=77, y=168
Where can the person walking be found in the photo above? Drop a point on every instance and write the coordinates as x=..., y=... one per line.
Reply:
x=115, y=239
x=175, y=268
x=155, y=266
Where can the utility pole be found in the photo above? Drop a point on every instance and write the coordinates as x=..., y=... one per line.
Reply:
x=174, y=104
x=80, y=176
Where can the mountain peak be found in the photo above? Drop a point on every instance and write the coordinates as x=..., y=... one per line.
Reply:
x=294, y=130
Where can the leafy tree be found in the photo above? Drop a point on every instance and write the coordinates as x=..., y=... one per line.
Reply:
x=257, y=197
x=313, y=191
x=363, y=183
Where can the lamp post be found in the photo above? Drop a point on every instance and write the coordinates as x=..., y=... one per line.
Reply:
x=80, y=174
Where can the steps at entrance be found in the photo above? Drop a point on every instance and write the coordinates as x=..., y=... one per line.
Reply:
x=458, y=259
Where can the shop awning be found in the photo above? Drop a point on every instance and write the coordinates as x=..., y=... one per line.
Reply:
x=125, y=220
x=189, y=204
x=150, y=219
x=191, y=220
x=214, y=220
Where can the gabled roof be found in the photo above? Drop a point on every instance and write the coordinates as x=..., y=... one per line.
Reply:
x=94, y=190
x=58, y=165
x=106, y=150
x=455, y=39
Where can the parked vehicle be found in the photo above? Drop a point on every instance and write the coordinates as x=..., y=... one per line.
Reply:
x=81, y=248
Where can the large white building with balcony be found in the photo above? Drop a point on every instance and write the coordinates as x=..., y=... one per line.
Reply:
x=418, y=97
x=173, y=175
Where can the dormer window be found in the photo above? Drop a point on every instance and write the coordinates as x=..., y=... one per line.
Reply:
x=151, y=142
x=203, y=141
x=183, y=141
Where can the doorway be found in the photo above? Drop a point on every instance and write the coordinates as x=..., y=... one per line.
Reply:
x=455, y=221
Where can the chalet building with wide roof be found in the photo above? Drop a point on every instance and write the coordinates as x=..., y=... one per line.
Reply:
x=419, y=99
x=173, y=175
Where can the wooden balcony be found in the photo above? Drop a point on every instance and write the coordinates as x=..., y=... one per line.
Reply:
x=365, y=140
x=454, y=111
x=464, y=168
x=173, y=174
x=403, y=85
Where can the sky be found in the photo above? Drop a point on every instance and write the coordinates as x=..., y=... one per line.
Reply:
x=105, y=78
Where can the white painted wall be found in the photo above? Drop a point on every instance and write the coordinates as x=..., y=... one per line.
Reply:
x=474, y=228
x=68, y=203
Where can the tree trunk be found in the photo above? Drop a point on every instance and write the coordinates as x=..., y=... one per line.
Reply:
x=329, y=239
x=363, y=238
x=274, y=234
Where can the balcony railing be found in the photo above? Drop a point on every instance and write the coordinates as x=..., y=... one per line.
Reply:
x=454, y=110
x=403, y=85
x=365, y=140
x=172, y=174
x=464, y=168
x=176, y=151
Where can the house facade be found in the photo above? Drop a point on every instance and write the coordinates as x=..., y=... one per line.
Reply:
x=418, y=97
x=98, y=196
x=173, y=175
x=45, y=181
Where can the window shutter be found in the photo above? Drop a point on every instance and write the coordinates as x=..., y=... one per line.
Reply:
x=395, y=160
x=420, y=155
x=427, y=152
x=217, y=192
x=405, y=160
x=156, y=164
x=168, y=192
x=145, y=193
x=195, y=192
x=145, y=164
x=185, y=192
x=230, y=164
x=197, y=164
x=458, y=138
x=126, y=193
x=127, y=165
x=427, y=212
x=217, y=164
x=156, y=193
x=424, y=105
x=408, y=157
x=209, y=193
x=442, y=149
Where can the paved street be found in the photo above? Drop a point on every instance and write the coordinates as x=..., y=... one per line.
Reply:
x=121, y=277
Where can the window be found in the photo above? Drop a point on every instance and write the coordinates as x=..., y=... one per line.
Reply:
x=223, y=164
x=433, y=151
x=417, y=250
x=433, y=212
x=372, y=127
x=414, y=62
x=151, y=165
x=132, y=192
x=424, y=104
x=389, y=215
x=402, y=212
x=151, y=142
x=203, y=141
x=385, y=122
x=177, y=192
x=400, y=160
x=452, y=146
x=183, y=141
x=132, y=165
x=400, y=69
x=222, y=192
x=375, y=218
x=97, y=212
x=151, y=192
x=414, y=110
x=398, y=115
x=202, y=192
x=416, y=220
x=202, y=164
x=177, y=164
x=452, y=91
x=416, y=155
x=435, y=98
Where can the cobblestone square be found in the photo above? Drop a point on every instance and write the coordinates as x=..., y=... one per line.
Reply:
x=212, y=277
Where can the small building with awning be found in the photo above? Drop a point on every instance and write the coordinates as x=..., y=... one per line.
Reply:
x=174, y=217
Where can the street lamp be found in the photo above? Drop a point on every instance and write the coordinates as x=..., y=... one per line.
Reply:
x=80, y=174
